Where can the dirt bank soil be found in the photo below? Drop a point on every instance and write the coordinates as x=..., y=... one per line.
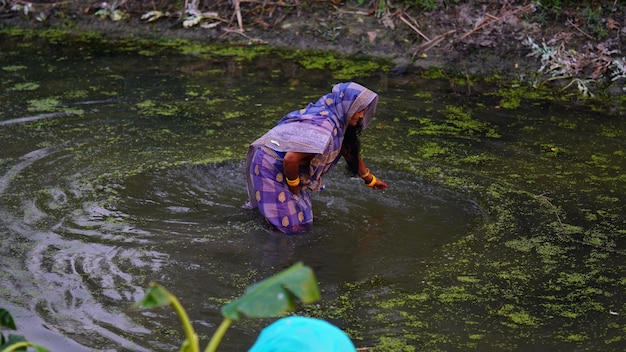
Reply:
x=477, y=37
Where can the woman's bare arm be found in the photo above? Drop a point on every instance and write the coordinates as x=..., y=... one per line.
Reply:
x=365, y=174
x=291, y=164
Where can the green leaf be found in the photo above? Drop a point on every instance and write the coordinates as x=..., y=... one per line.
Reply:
x=6, y=320
x=156, y=296
x=276, y=295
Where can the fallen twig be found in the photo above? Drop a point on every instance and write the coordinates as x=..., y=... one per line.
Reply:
x=342, y=11
x=547, y=201
x=413, y=25
x=238, y=14
x=251, y=41
x=569, y=21
x=432, y=43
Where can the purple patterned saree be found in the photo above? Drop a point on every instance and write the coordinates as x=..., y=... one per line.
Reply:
x=319, y=129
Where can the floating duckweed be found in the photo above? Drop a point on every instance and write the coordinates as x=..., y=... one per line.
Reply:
x=522, y=244
x=233, y=114
x=431, y=149
x=615, y=339
x=381, y=317
x=467, y=279
x=14, y=68
x=461, y=120
x=517, y=315
x=548, y=249
x=391, y=303
x=392, y=344
x=599, y=161
x=424, y=94
x=572, y=279
x=40, y=105
x=434, y=72
x=147, y=52
x=576, y=338
x=350, y=70
x=341, y=68
x=25, y=86
x=511, y=97
x=418, y=297
x=477, y=159
x=150, y=108
x=569, y=315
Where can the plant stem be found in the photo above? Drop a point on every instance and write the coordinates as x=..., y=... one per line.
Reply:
x=192, y=337
x=16, y=346
x=217, y=336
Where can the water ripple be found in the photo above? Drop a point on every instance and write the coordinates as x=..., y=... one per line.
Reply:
x=92, y=244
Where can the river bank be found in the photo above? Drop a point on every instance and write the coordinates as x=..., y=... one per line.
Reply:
x=482, y=38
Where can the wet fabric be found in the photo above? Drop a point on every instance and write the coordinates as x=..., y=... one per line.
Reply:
x=302, y=334
x=319, y=128
x=288, y=212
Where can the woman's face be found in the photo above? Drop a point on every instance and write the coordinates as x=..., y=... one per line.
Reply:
x=354, y=120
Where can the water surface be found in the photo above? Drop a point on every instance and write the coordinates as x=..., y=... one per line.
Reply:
x=122, y=164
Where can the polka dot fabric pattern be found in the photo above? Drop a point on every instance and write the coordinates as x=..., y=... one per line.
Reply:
x=287, y=212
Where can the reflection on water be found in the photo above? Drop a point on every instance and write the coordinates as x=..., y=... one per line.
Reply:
x=120, y=168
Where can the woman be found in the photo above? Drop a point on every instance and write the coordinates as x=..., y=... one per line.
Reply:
x=305, y=144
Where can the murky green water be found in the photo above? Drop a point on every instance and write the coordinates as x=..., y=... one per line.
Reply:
x=122, y=163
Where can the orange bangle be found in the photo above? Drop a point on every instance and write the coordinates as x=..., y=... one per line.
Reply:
x=366, y=174
x=372, y=182
x=293, y=183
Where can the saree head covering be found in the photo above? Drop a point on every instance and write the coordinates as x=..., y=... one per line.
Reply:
x=301, y=334
x=318, y=129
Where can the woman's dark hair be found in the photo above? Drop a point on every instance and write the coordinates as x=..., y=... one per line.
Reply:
x=352, y=146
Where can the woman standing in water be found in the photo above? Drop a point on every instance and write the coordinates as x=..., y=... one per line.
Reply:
x=305, y=144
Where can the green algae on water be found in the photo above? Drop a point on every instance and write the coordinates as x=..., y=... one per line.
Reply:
x=25, y=86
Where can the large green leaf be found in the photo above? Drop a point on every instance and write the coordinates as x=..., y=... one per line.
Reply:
x=276, y=295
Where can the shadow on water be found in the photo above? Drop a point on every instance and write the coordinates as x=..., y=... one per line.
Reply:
x=501, y=229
